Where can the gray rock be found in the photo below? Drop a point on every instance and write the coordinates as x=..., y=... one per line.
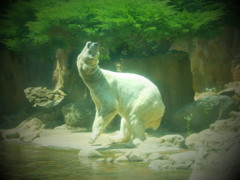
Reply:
x=175, y=139
x=192, y=140
x=201, y=113
x=121, y=159
x=136, y=156
x=109, y=160
x=90, y=153
x=43, y=97
x=160, y=165
x=218, y=151
x=26, y=131
x=1, y=135
x=183, y=160
x=154, y=156
x=227, y=125
x=11, y=134
x=75, y=115
x=101, y=160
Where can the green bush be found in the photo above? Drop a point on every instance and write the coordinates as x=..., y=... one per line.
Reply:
x=124, y=27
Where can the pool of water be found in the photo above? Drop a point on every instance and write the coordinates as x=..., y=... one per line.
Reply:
x=23, y=161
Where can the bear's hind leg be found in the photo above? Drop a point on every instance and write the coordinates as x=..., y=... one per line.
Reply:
x=138, y=135
x=124, y=134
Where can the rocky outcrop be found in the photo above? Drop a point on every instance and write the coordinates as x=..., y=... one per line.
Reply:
x=44, y=97
x=198, y=115
x=90, y=153
x=78, y=109
x=162, y=154
x=77, y=115
x=68, y=102
x=217, y=150
x=11, y=83
x=211, y=59
x=26, y=131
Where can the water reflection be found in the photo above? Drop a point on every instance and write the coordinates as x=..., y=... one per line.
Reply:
x=33, y=162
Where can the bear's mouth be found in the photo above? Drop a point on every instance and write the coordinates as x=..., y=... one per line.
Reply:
x=93, y=48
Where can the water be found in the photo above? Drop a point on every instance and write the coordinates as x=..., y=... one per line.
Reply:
x=22, y=161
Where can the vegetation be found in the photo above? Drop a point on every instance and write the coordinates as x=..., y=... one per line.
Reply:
x=123, y=27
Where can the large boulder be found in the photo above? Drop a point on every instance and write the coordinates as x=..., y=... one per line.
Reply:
x=183, y=160
x=11, y=79
x=218, y=150
x=90, y=153
x=200, y=114
x=26, y=131
x=77, y=115
x=44, y=97
x=211, y=58
x=173, y=140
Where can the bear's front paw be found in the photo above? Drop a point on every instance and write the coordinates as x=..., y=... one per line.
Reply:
x=93, y=138
x=91, y=141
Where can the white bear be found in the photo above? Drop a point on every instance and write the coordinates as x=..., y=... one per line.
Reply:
x=136, y=99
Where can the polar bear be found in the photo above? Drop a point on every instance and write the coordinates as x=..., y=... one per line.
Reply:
x=136, y=99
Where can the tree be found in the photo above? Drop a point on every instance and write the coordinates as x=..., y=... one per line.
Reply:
x=125, y=27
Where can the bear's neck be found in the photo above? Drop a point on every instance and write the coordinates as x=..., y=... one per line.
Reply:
x=90, y=75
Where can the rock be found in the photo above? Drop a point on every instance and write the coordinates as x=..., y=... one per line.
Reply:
x=227, y=125
x=183, y=160
x=75, y=115
x=51, y=117
x=136, y=156
x=218, y=151
x=109, y=160
x=153, y=144
x=201, y=113
x=160, y=165
x=235, y=69
x=101, y=160
x=192, y=140
x=211, y=58
x=27, y=130
x=13, y=78
x=62, y=127
x=175, y=139
x=10, y=134
x=43, y=97
x=154, y=156
x=78, y=103
x=1, y=135
x=90, y=153
x=221, y=165
x=156, y=145
x=121, y=159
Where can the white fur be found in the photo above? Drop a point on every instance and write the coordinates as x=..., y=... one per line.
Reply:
x=136, y=99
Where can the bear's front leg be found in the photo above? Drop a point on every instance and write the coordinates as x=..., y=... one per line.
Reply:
x=100, y=123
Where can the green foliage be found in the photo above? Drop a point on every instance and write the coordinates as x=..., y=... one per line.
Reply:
x=188, y=119
x=127, y=27
x=13, y=31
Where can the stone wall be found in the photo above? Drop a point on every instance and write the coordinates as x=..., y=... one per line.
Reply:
x=211, y=59
x=11, y=83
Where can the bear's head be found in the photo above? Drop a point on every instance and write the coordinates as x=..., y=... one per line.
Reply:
x=89, y=56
